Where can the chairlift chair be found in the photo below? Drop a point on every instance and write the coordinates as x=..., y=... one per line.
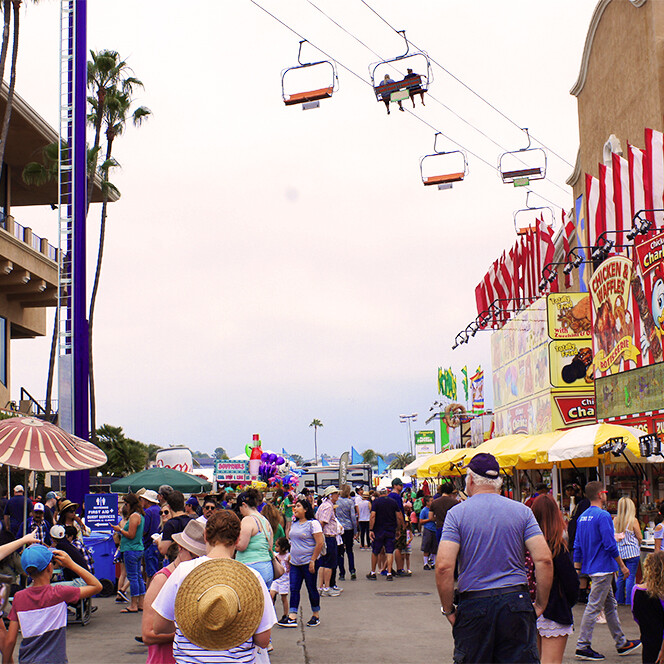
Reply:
x=521, y=227
x=451, y=167
x=532, y=165
x=401, y=90
x=309, y=98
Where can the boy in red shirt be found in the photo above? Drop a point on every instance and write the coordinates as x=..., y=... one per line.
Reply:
x=41, y=609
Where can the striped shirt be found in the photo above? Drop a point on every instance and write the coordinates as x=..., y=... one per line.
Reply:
x=186, y=652
x=628, y=546
x=42, y=615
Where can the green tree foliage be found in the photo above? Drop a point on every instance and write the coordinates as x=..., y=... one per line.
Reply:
x=316, y=424
x=371, y=457
x=401, y=460
x=125, y=456
x=297, y=459
x=220, y=453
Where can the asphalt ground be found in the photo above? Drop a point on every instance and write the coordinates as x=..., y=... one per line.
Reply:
x=372, y=621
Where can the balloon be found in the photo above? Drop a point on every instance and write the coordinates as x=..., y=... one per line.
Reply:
x=279, y=460
x=264, y=456
x=273, y=458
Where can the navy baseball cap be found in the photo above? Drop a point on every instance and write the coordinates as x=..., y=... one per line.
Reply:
x=37, y=556
x=484, y=464
x=192, y=501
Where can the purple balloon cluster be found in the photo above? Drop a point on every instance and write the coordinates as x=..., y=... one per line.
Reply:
x=269, y=465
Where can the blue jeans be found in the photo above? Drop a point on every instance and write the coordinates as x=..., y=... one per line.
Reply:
x=153, y=560
x=624, y=588
x=299, y=573
x=265, y=570
x=499, y=628
x=132, y=561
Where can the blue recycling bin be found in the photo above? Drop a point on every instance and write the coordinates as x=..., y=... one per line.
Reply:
x=103, y=550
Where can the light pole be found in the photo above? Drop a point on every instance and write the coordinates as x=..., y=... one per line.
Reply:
x=408, y=419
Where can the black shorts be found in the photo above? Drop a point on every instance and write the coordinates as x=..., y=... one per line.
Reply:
x=383, y=539
x=429, y=541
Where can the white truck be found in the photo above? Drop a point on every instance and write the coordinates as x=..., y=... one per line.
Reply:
x=316, y=478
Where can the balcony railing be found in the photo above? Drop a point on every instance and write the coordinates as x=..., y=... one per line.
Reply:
x=24, y=234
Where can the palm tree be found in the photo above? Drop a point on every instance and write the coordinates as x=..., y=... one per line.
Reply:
x=125, y=456
x=401, y=460
x=116, y=112
x=371, y=457
x=15, y=7
x=316, y=424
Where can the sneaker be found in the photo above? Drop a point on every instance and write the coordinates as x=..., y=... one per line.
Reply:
x=402, y=572
x=285, y=621
x=589, y=654
x=601, y=618
x=629, y=647
x=331, y=592
x=323, y=592
x=314, y=621
x=383, y=572
x=353, y=576
x=389, y=577
x=427, y=566
x=342, y=577
x=371, y=576
x=339, y=590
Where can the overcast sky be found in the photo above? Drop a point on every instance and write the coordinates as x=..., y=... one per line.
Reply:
x=267, y=265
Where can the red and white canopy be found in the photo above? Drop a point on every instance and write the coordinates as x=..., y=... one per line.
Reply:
x=32, y=444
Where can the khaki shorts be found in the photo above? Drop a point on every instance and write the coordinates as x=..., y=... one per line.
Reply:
x=400, y=542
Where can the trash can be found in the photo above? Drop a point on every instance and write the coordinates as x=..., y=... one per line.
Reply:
x=103, y=550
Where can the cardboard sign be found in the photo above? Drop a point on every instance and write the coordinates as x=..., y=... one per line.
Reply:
x=231, y=471
x=101, y=510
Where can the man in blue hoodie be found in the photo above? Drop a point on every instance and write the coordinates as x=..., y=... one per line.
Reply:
x=596, y=554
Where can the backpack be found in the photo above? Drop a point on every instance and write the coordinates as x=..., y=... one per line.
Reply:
x=417, y=506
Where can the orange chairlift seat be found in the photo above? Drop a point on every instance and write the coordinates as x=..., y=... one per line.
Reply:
x=451, y=166
x=523, y=218
x=519, y=167
x=409, y=85
x=309, y=98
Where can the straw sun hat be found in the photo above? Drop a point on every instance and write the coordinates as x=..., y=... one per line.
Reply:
x=219, y=604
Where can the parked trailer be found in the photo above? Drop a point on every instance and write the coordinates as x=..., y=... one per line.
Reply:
x=316, y=478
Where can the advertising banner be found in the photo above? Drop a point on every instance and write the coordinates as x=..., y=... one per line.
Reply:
x=425, y=443
x=226, y=470
x=630, y=392
x=570, y=363
x=573, y=408
x=101, y=510
x=568, y=315
x=648, y=291
x=530, y=416
x=613, y=323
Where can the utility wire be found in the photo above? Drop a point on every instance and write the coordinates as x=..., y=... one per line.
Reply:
x=458, y=80
x=445, y=106
x=350, y=71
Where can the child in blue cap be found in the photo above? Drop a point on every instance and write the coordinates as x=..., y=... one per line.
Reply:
x=41, y=609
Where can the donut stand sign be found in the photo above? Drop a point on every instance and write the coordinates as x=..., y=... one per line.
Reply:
x=612, y=317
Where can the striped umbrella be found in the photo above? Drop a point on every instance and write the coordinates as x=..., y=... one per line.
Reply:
x=32, y=444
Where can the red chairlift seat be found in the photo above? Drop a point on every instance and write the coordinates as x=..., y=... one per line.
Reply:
x=523, y=218
x=442, y=179
x=519, y=176
x=388, y=89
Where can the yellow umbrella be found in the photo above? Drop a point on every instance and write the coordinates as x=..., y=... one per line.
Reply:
x=500, y=447
x=439, y=464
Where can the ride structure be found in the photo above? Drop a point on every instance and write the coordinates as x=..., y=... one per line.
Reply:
x=73, y=364
x=309, y=98
x=443, y=168
x=525, y=219
x=411, y=84
x=519, y=167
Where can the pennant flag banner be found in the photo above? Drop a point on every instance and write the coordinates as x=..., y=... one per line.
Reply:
x=447, y=385
x=464, y=371
x=355, y=456
x=477, y=386
x=324, y=462
x=382, y=466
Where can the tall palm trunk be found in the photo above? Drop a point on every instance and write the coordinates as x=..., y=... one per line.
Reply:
x=16, y=4
x=51, y=362
x=93, y=298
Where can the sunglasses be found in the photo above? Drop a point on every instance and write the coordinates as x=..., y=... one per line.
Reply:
x=165, y=512
x=209, y=507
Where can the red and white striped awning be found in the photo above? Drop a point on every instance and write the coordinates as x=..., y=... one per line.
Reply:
x=32, y=444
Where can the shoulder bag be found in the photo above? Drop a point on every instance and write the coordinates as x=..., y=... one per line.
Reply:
x=277, y=568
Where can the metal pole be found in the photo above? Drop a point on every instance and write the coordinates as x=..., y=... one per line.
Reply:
x=78, y=482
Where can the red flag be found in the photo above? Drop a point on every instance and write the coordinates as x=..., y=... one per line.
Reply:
x=621, y=196
x=593, y=215
x=568, y=231
x=606, y=205
x=654, y=172
x=635, y=158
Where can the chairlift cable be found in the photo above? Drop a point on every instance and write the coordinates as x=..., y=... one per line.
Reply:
x=465, y=85
x=445, y=106
x=428, y=124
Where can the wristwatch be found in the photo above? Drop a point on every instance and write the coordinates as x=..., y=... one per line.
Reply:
x=450, y=612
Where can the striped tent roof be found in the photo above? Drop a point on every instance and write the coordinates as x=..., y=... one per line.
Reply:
x=32, y=444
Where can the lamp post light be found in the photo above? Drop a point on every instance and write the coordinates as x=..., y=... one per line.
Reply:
x=408, y=419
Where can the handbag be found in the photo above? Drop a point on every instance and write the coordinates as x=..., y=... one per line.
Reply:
x=278, y=569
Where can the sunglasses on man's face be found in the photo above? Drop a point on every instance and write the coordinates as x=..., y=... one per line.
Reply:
x=164, y=512
x=208, y=507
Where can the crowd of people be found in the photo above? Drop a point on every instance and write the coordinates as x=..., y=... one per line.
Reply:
x=207, y=575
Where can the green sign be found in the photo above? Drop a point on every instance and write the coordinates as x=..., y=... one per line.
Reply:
x=425, y=437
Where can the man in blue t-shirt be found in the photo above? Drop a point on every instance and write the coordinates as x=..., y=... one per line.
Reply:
x=489, y=534
x=14, y=509
x=151, y=556
x=400, y=540
x=385, y=520
x=596, y=554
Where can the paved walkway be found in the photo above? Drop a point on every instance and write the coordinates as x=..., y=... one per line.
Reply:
x=372, y=621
